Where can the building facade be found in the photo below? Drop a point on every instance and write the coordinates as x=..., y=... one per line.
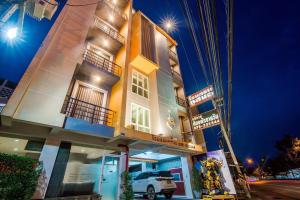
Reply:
x=104, y=91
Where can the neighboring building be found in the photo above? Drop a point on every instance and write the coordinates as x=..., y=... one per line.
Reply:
x=6, y=89
x=105, y=78
x=37, y=9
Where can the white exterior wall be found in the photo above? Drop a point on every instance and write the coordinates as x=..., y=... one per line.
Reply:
x=41, y=92
x=186, y=177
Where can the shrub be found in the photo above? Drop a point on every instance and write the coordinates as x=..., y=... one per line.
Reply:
x=18, y=177
x=127, y=192
x=197, y=181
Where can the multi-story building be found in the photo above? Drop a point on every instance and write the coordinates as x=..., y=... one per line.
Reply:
x=104, y=91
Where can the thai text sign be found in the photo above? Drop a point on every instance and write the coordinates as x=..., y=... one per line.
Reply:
x=201, y=96
x=172, y=141
x=206, y=120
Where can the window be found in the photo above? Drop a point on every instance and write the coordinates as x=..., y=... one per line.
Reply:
x=140, y=118
x=140, y=84
x=176, y=177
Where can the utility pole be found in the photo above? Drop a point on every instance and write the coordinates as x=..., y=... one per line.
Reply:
x=232, y=154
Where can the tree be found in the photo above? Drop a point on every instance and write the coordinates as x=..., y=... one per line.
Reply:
x=284, y=160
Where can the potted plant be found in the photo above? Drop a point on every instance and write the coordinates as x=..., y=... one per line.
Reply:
x=197, y=183
x=127, y=192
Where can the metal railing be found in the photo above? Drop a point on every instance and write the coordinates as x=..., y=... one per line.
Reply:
x=181, y=101
x=187, y=136
x=101, y=62
x=173, y=55
x=109, y=31
x=86, y=111
x=176, y=75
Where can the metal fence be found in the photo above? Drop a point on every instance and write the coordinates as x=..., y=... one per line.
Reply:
x=89, y=112
x=109, y=31
x=181, y=101
x=101, y=62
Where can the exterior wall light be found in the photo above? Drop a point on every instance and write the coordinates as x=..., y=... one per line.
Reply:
x=105, y=42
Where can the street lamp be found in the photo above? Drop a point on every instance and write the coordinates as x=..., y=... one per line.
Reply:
x=249, y=161
x=12, y=33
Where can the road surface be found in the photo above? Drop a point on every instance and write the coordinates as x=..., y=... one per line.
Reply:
x=275, y=189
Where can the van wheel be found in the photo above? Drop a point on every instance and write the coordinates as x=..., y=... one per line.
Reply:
x=151, y=193
x=168, y=196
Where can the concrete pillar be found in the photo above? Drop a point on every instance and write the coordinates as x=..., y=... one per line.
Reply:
x=47, y=158
x=59, y=168
x=186, y=165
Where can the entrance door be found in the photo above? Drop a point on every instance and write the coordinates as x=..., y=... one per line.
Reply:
x=110, y=177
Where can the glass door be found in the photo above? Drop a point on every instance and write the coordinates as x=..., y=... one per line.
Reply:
x=110, y=177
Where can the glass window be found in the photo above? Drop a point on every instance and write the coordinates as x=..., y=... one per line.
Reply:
x=140, y=84
x=140, y=118
x=176, y=177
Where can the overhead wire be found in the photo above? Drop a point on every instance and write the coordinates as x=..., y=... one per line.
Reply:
x=229, y=14
x=188, y=18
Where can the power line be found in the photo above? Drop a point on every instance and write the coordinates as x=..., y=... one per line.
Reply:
x=229, y=14
x=188, y=18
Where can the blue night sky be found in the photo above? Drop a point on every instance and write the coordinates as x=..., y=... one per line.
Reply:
x=266, y=83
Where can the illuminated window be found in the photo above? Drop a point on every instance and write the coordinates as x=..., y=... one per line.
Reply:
x=140, y=118
x=140, y=84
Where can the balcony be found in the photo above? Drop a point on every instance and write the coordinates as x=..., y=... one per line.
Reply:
x=143, y=55
x=94, y=64
x=187, y=136
x=177, y=78
x=173, y=57
x=109, y=31
x=181, y=102
x=91, y=113
x=102, y=63
x=103, y=35
x=111, y=13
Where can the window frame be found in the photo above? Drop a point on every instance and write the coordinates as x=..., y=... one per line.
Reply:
x=144, y=77
x=136, y=125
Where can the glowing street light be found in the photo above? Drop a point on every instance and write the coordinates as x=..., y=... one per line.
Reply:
x=12, y=33
x=249, y=161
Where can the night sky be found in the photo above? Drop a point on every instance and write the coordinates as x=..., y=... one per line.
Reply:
x=266, y=72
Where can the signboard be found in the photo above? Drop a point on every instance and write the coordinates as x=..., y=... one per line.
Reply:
x=168, y=140
x=219, y=160
x=206, y=120
x=227, y=178
x=201, y=96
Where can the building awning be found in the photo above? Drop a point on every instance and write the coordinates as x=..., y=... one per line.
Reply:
x=140, y=142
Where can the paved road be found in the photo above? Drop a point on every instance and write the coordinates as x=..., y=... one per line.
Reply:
x=137, y=197
x=286, y=190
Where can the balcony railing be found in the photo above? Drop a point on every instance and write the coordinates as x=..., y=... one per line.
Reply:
x=109, y=31
x=89, y=112
x=101, y=62
x=173, y=55
x=187, y=136
x=181, y=101
x=176, y=75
